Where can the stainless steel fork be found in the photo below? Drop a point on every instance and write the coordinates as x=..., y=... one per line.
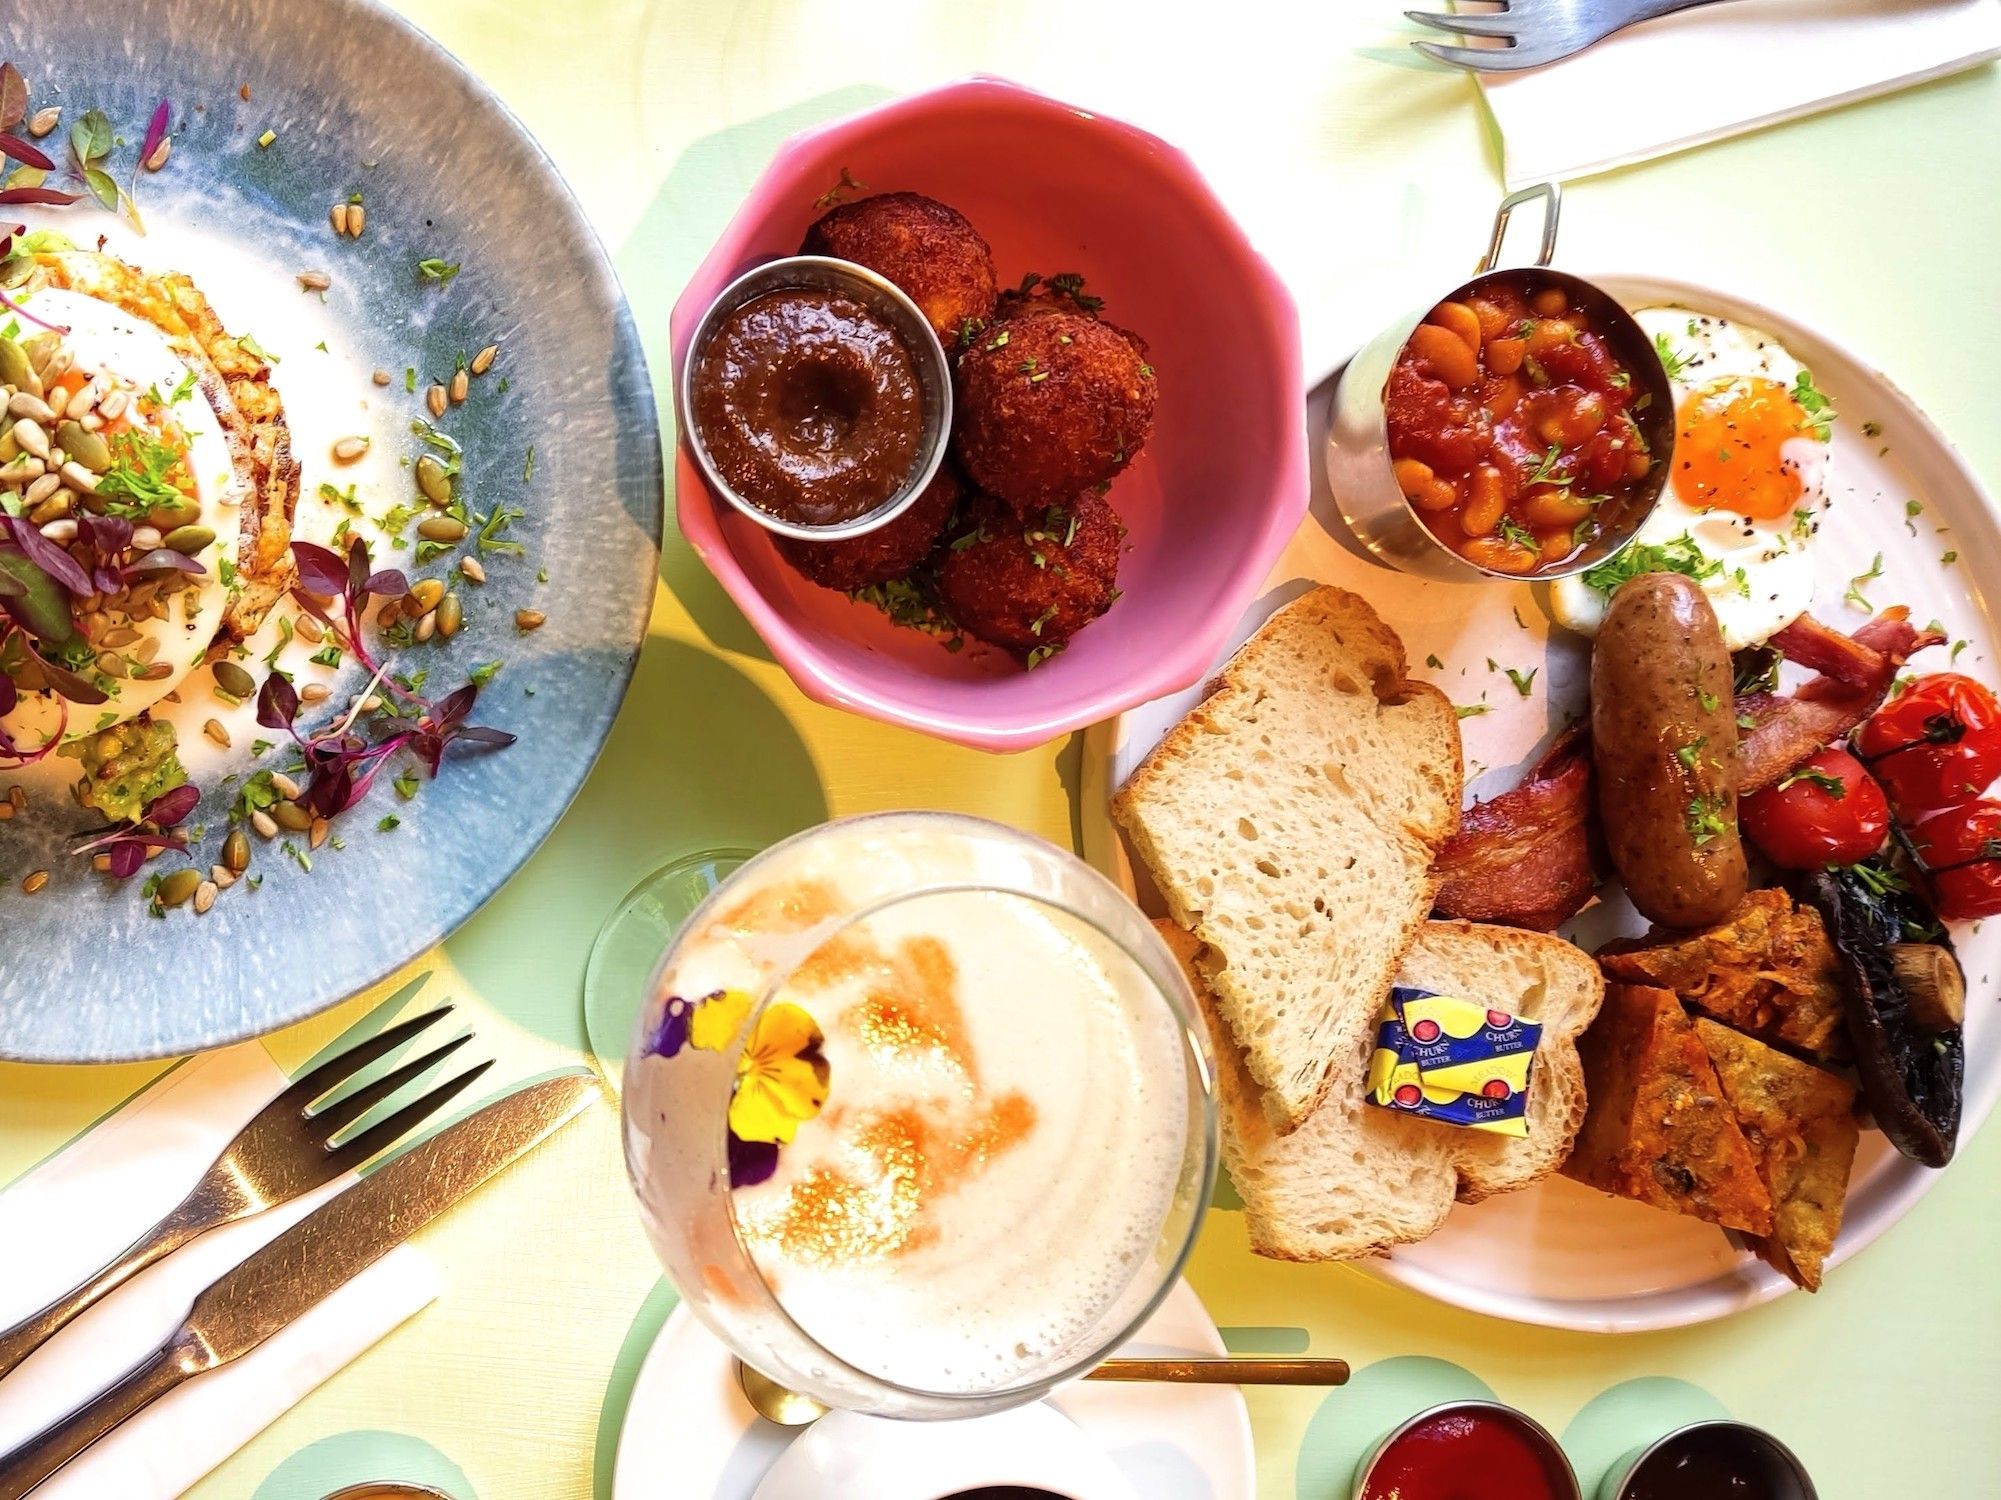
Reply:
x=287, y=1148
x=1534, y=32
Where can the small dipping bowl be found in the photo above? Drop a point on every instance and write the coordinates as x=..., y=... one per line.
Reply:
x=1359, y=468
x=388, y=1489
x=823, y=273
x=1724, y=1460
x=1490, y=1434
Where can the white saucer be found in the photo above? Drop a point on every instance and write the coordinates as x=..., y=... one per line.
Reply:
x=690, y=1435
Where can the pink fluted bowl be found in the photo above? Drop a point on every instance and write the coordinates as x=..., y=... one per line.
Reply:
x=1210, y=501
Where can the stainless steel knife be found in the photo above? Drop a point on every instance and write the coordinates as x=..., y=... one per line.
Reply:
x=319, y=1254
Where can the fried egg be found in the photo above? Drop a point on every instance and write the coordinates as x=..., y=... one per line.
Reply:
x=123, y=353
x=1746, y=488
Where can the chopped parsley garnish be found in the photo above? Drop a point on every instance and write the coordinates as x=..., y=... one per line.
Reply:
x=1545, y=470
x=1705, y=820
x=491, y=527
x=327, y=656
x=387, y=822
x=1524, y=683
x=482, y=674
x=1855, y=596
x=1834, y=786
x=1514, y=532
x=406, y=785
x=1434, y=663
x=1678, y=554
x=1872, y=429
x=1472, y=710
x=1688, y=754
x=1672, y=360
x=437, y=272
x=140, y=478
x=1819, y=410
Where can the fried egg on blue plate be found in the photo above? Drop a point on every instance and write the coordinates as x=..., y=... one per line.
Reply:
x=1747, y=487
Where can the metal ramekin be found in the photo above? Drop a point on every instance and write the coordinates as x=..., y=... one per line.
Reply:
x=1613, y=1486
x=1561, y=1460
x=388, y=1487
x=1358, y=440
x=887, y=301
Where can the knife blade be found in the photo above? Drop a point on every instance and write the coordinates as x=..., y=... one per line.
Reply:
x=308, y=1262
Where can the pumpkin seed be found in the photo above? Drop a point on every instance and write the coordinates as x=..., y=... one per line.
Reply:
x=53, y=509
x=236, y=851
x=234, y=681
x=291, y=817
x=15, y=369
x=178, y=888
x=172, y=516
x=434, y=482
x=450, y=615
x=86, y=447
x=423, y=597
x=188, y=540
x=441, y=529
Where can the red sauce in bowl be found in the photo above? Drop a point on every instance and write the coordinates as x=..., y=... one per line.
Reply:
x=1469, y=1453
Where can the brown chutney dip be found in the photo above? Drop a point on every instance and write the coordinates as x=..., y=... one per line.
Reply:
x=809, y=405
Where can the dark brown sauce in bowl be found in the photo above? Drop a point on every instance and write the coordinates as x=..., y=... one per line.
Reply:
x=809, y=405
x=1717, y=1461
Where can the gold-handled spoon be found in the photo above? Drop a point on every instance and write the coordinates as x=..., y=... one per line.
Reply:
x=790, y=1408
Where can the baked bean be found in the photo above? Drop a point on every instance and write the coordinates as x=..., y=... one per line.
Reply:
x=1501, y=556
x=1554, y=505
x=1550, y=302
x=1484, y=506
x=1495, y=320
x=1550, y=334
x=1504, y=356
x=1556, y=544
x=1506, y=396
x=1450, y=360
x=1413, y=476
x=1458, y=318
x=1637, y=465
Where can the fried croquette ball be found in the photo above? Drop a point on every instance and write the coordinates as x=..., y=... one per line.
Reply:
x=885, y=553
x=1030, y=585
x=926, y=247
x=1050, y=406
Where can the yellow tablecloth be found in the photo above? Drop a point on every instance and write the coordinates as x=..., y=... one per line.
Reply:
x=1364, y=174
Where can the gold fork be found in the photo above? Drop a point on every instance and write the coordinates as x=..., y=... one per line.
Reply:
x=287, y=1148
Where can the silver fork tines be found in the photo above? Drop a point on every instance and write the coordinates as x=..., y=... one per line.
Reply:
x=286, y=1149
x=1530, y=33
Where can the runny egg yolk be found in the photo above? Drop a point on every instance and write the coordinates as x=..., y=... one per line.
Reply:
x=1730, y=439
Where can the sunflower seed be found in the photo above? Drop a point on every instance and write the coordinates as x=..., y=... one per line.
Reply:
x=529, y=619
x=222, y=876
x=34, y=881
x=425, y=628
x=316, y=833
x=77, y=477
x=381, y=377
x=205, y=892
x=285, y=786
x=473, y=569
x=337, y=216
x=461, y=384
x=44, y=120
x=214, y=730
x=435, y=399
x=310, y=630
x=262, y=821
x=348, y=449
x=357, y=220
x=315, y=692
x=158, y=158
x=62, y=529
x=483, y=361
x=112, y=407
x=314, y=281
x=29, y=434
x=21, y=404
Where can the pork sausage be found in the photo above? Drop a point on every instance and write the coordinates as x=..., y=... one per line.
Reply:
x=1664, y=746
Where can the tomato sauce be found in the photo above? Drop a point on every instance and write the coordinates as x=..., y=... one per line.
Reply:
x=1511, y=426
x=1469, y=1454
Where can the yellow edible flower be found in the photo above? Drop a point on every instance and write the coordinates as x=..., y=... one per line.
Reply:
x=781, y=1076
x=718, y=1019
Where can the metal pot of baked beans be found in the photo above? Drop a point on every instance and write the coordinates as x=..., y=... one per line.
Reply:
x=1520, y=426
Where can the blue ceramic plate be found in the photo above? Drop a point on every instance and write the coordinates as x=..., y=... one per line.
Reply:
x=358, y=101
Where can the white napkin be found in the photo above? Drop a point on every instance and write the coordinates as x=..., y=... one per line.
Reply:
x=77, y=1210
x=1720, y=70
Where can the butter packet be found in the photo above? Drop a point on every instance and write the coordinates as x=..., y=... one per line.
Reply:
x=1444, y=1058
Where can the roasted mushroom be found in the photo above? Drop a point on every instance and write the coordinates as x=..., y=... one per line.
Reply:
x=1911, y=1073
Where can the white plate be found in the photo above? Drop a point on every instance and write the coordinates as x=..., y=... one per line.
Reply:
x=1560, y=1254
x=690, y=1435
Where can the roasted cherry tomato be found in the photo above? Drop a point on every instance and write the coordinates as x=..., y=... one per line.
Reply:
x=1937, y=745
x=1960, y=850
x=1828, y=812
